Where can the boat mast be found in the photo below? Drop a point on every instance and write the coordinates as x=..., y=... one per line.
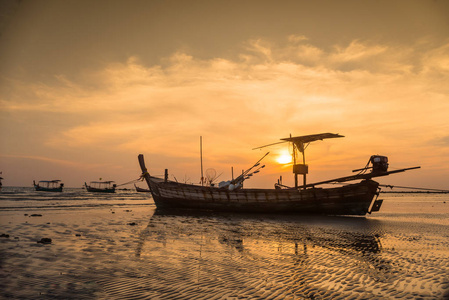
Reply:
x=201, y=159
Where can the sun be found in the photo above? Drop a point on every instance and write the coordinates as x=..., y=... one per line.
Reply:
x=284, y=158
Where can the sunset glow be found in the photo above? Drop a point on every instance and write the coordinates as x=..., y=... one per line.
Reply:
x=78, y=103
x=284, y=158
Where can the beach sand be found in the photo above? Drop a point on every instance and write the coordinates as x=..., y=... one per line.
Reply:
x=137, y=253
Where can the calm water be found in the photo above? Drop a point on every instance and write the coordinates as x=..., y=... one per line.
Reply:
x=401, y=252
x=26, y=198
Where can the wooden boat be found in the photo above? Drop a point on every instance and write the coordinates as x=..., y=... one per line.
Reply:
x=353, y=199
x=48, y=185
x=141, y=190
x=101, y=186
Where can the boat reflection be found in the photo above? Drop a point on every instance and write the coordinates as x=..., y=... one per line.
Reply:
x=257, y=255
x=254, y=234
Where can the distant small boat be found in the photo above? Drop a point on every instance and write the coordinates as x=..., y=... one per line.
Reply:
x=48, y=185
x=1, y=182
x=101, y=186
x=141, y=190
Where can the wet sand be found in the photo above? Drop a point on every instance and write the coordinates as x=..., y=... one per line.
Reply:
x=120, y=253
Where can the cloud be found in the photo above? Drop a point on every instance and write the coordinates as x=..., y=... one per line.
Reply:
x=442, y=141
x=382, y=98
x=61, y=162
x=357, y=51
x=437, y=60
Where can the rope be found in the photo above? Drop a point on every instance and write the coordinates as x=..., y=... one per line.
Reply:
x=413, y=188
x=129, y=182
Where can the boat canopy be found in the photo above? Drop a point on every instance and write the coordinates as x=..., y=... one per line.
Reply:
x=102, y=184
x=304, y=139
x=312, y=137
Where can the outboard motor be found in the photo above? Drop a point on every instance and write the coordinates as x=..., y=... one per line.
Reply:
x=380, y=163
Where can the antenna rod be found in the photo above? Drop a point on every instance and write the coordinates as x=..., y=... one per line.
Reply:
x=256, y=164
x=201, y=158
x=244, y=173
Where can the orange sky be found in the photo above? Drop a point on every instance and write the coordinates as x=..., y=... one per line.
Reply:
x=85, y=86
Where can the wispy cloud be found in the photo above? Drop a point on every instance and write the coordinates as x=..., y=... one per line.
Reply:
x=357, y=51
x=61, y=162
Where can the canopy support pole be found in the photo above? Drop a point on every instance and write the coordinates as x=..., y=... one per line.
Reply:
x=304, y=162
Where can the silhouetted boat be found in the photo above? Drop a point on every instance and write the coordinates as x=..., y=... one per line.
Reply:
x=48, y=185
x=101, y=186
x=141, y=190
x=352, y=199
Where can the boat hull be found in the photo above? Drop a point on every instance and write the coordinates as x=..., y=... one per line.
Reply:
x=95, y=190
x=354, y=199
x=141, y=190
x=101, y=187
x=43, y=189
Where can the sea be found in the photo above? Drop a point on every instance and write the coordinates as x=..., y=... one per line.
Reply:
x=119, y=246
x=27, y=198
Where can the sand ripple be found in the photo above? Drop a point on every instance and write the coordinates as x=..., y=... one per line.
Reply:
x=101, y=256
